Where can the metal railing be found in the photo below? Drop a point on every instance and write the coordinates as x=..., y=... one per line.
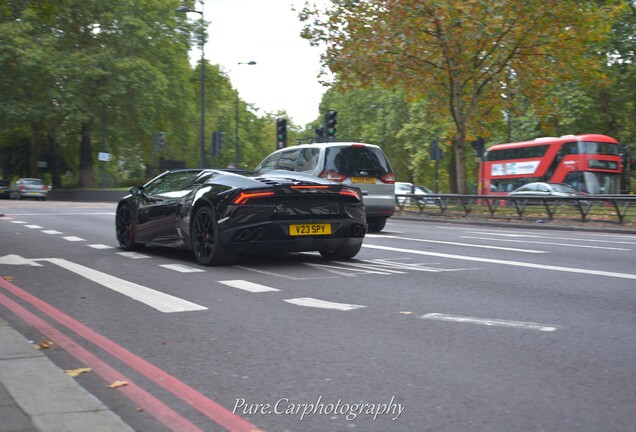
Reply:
x=620, y=209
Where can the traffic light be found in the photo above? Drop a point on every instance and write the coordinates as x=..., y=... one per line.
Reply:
x=217, y=143
x=281, y=133
x=478, y=145
x=330, y=124
x=161, y=140
x=436, y=152
x=320, y=134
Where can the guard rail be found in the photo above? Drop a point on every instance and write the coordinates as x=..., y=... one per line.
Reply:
x=619, y=209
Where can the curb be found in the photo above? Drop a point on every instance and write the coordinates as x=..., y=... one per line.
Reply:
x=41, y=397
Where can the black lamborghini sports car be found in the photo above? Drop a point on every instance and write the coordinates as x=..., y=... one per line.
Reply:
x=220, y=214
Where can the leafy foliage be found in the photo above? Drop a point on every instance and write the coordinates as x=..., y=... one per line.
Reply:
x=461, y=56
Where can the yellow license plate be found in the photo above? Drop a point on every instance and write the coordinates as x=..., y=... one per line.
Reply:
x=370, y=180
x=309, y=229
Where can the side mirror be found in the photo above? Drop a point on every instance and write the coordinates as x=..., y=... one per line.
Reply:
x=135, y=191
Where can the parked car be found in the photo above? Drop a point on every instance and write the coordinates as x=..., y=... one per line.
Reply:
x=4, y=189
x=546, y=189
x=219, y=215
x=404, y=188
x=29, y=188
x=362, y=165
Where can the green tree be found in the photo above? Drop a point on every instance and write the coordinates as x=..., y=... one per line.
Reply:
x=462, y=55
x=116, y=70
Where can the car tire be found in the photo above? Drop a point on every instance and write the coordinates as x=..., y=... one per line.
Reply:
x=376, y=224
x=349, y=251
x=125, y=229
x=206, y=241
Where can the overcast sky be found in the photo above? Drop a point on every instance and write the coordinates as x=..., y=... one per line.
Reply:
x=267, y=32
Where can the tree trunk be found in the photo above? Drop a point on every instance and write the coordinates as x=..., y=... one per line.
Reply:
x=36, y=133
x=86, y=178
x=56, y=163
x=452, y=168
x=460, y=165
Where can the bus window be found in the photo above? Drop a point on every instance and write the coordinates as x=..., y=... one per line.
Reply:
x=594, y=183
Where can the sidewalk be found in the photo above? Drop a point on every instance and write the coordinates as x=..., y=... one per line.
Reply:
x=37, y=396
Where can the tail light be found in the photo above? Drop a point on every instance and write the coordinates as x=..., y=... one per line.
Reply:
x=333, y=176
x=351, y=192
x=22, y=187
x=43, y=187
x=243, y=197
x=388, y=178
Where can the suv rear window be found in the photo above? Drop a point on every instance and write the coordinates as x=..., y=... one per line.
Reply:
x=354, y=160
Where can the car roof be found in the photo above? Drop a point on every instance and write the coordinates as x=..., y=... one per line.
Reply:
x=329, y=144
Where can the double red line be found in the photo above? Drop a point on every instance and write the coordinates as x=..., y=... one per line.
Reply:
x=149, y=403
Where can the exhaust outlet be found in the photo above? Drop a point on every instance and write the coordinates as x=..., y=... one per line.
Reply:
x=258, y=234
x=245, y=235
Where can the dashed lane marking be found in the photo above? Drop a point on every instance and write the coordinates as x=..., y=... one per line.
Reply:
x=73, y=239
x=322, y=304
x=490, y=322
x=51, y=232
x=181, y=268
x=133, y=255
x=100, y=246
x=248, y=286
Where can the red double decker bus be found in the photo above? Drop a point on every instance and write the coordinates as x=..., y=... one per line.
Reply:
x=590, y=163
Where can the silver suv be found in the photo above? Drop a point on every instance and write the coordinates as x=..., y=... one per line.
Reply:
x=357, y=164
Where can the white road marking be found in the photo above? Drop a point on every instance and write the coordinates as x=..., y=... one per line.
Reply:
x=458, y=244
x=133, y=255
x=18, y=222
x=407, y=266
x=33, y=226
x=370, y=266
x=73, y=239
x=18, y=260
x=505, y=262
x=351, y=269
x=547, y=243
x=248, y=286
x=282, y=275
x=51, y=232
x=581, y=239
x=490, y=322
x=181, y=268
x=161, y=301
x=100, y=246
x=330, y=268
x=322, y=304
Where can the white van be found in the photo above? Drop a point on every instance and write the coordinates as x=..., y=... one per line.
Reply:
x=358, y=164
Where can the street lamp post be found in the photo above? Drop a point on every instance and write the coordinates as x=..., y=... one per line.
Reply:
x=236, y=120
x=185, y=9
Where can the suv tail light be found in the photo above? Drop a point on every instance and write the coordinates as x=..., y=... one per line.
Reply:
x=388, y=178
x=333, y=176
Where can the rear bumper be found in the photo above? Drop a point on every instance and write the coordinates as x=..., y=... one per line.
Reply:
x=382, y=210
x=274, y=237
